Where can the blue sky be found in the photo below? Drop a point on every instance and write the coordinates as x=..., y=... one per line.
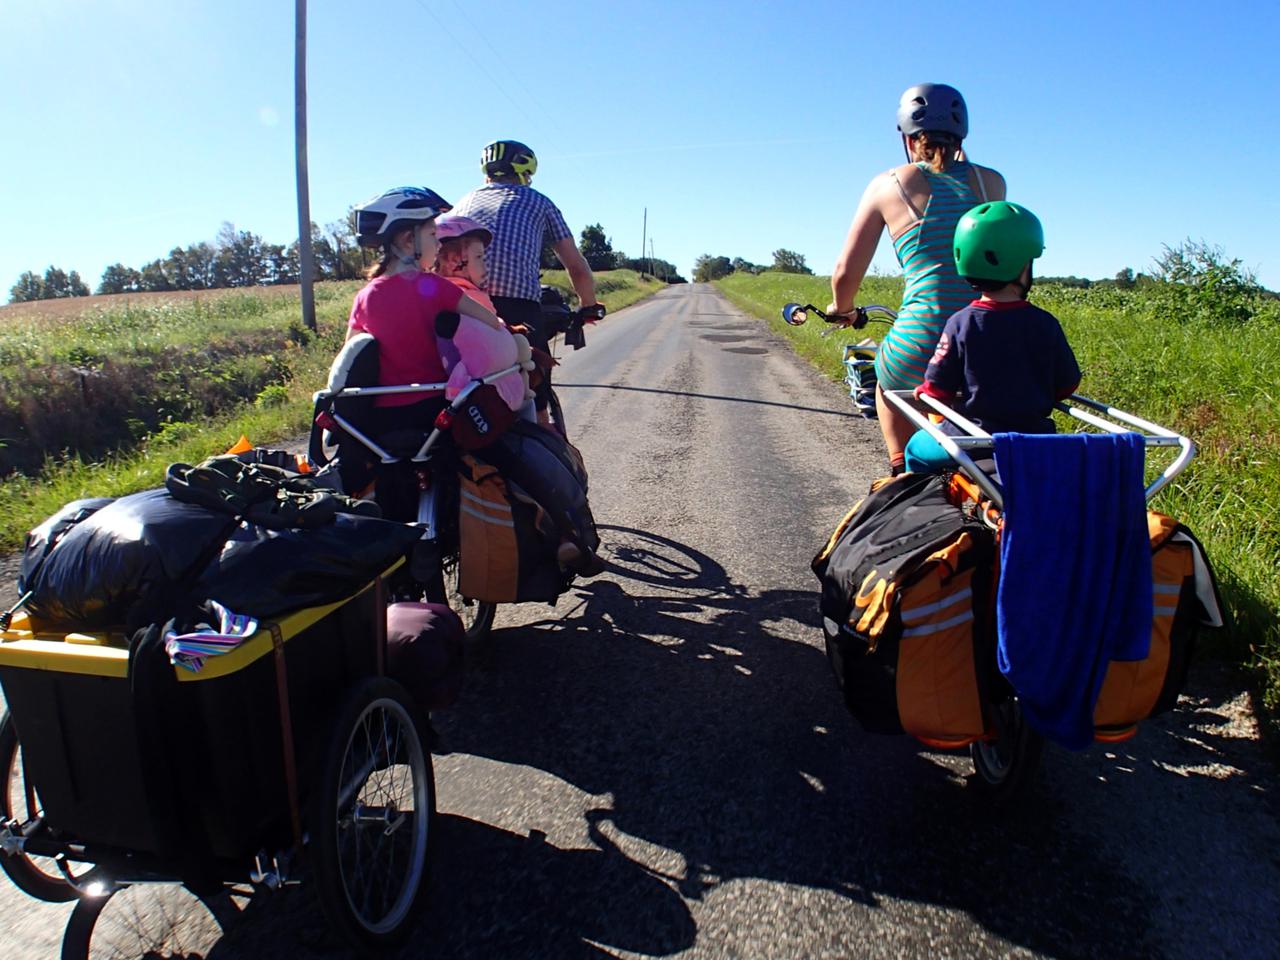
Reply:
x=133, y=126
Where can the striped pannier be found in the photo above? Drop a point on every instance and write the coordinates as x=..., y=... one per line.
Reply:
x=906, y=590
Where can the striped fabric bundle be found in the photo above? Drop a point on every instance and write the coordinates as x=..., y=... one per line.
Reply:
x=189, y=650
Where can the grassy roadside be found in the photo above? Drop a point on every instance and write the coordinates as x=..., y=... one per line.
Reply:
x=1214, y=382
x=614, y=288
x=280, y=411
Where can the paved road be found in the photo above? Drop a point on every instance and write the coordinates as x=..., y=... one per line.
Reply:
x=661, y=764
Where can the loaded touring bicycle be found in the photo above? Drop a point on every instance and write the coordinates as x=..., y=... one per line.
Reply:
x=484, y=538
x=979, y=611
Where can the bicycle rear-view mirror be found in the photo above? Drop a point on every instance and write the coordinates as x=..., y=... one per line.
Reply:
x=795, y=314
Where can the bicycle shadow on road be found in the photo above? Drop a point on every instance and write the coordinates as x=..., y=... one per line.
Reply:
x=709, y=714
x=493, y=893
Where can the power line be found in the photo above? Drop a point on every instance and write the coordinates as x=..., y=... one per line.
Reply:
x=487, y=69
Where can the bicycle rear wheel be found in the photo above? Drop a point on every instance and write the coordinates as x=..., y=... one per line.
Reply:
x=477, y=615
x=556, y=413
x=40, y=877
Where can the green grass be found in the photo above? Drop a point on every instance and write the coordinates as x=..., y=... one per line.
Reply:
x=614, y=288
x=1142, y=350
x=281, y=411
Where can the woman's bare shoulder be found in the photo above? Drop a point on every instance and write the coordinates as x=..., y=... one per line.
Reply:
x=994, y=180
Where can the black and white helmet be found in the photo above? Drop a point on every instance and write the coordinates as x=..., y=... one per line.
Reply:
x=934, y=107
x=380, y=219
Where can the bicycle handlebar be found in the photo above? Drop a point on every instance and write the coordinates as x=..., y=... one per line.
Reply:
x=796, y=314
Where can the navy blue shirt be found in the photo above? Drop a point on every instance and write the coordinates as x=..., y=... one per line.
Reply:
x=1004, y=365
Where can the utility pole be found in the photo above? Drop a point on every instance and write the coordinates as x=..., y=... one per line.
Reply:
x=644, y=232
x=306, y=261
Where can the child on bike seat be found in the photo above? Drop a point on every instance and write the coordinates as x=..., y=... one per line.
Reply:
x=1001, y=362
x=399, y=305
x=461, y=261
x=471, y=350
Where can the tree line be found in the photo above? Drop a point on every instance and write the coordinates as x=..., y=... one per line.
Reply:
x=236, y=258
x=598, y=251
x=707, y=268
x=240, y=258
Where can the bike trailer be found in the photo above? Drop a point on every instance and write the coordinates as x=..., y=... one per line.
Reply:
x=131, y=753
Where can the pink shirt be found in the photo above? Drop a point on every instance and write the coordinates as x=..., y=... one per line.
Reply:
x=400, y=312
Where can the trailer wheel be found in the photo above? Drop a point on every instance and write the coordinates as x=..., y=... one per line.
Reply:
x=371, y=817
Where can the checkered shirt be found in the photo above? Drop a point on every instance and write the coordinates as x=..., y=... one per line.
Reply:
x=519, y=217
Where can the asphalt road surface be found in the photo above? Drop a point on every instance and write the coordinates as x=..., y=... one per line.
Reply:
x=661, y=764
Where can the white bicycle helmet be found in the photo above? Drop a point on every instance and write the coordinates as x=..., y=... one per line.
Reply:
x=380, y=219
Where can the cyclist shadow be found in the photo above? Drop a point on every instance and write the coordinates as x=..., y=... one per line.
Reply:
x=703, y=713
x=498, y=893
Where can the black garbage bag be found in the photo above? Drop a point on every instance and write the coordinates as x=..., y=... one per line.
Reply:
x=120, y=563
x=42, y=539
x=263, y=572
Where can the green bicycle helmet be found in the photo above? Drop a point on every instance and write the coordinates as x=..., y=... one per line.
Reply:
x=994, y=241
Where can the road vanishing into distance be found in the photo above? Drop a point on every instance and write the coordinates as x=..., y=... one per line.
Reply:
x=661, y=764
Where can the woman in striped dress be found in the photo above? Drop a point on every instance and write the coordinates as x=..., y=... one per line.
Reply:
x=919, y=203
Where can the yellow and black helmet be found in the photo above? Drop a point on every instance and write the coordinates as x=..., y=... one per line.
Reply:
x=509, y=158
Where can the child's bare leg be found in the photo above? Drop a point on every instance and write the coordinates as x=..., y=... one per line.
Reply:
x=895, y=428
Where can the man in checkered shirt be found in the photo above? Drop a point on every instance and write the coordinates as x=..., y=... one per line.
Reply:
x=520, y=217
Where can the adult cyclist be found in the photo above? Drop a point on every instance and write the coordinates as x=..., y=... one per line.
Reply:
x=919, y=204
x=521, y=219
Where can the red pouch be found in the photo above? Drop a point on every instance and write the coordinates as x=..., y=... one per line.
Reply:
x=481, y=419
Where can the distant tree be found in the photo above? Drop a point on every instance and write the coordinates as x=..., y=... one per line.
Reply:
x=1081, y=283
x=282, y=263
x=29, y=287
x=746, y=266
x=660, y=268
x=192, y=268
x=788, y=261
x=596, y=248
x=153, y=277
x=707, y=268
x=55, y=283
x=75, y=286
x=242, y=262
x=342, y=252
x=118, y=278
x=1125, y=279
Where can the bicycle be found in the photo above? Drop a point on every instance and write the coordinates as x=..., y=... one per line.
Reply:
x=560, y=320
x=859, y=358
x=415, y=475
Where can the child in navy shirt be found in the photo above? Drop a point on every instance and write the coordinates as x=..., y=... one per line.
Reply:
x=1001, y=362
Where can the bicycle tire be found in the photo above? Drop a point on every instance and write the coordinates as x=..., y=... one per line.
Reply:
x=29, y=874
x=376, y=745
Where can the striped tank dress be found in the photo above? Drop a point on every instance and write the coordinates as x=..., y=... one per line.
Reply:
x=933, y=290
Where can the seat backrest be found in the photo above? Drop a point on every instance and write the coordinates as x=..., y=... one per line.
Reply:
x=356, y=365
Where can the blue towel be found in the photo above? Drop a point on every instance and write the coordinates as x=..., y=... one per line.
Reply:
x=1075, y=572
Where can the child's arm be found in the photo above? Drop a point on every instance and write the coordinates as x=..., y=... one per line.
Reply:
x=473, y=309
x=945, y=373
x=1066, y=371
